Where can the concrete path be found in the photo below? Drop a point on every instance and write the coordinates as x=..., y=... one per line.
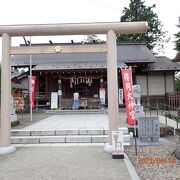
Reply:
x=62, y=163
x=75, y=121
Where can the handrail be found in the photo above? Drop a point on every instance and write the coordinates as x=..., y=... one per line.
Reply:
x=166, y=113
x=173, y=117
x=166, y=105
x=151, y=108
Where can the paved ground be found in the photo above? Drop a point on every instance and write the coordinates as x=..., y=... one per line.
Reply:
x=62, y=163
x=75, y=121
x=24, y=120
x=74, y=162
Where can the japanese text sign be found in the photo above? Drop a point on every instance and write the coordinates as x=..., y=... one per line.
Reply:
x=128, y=94
x=33, y=78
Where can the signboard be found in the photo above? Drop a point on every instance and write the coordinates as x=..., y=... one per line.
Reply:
x=121, y=96
x=117, y=143
x=33, y=80
x=60, y=92
x=102, y=95
x=128, y=94
x=54, y=100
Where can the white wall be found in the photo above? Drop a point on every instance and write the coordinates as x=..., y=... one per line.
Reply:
x=169, y=82
x=156, y=82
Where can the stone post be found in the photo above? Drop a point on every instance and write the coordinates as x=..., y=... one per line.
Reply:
x=113, y=112
x=5, y=124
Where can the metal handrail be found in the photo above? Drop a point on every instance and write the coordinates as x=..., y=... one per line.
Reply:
x=151, y=108
x=169, y=107
x=166, y=112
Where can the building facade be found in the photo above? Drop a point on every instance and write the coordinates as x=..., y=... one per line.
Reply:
x=86, y=74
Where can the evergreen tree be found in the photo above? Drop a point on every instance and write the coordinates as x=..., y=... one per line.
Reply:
x=177, y=41
x=177, y=85
x=93, y=38
x=138, y=11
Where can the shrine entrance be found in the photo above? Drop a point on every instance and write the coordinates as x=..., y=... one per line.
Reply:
x=62, y=29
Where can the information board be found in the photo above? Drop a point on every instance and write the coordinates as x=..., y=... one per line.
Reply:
x=117, y=143
x=54, y=100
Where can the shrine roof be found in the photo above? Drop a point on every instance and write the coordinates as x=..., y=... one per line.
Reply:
x=126, y=53
x=163, y=64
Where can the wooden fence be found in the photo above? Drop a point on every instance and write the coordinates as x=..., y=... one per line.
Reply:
x=174, y=100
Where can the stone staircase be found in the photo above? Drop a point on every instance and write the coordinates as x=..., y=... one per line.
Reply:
x=61, y=136
x=79, y=111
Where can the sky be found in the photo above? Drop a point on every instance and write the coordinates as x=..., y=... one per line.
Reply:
x=78, y=11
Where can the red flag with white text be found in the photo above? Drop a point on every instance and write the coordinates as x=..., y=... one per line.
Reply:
x=128, y=94
x=33, y=81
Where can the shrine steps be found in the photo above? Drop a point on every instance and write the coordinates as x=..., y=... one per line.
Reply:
x=61, y=136
x=79, y=111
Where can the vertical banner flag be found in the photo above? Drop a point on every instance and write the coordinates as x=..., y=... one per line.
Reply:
x=33, y=79
x=128, y=94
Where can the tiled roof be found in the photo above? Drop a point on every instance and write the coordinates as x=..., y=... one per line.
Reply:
x=126, y=53
x=163, y=64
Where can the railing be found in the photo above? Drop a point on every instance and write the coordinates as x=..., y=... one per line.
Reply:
x=150, y=109
x=173, y=117
x=166, y=111
x=42, y=95
x=42, y=100
x=38, y=96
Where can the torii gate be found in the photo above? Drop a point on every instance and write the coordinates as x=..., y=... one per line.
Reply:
x=110, y=29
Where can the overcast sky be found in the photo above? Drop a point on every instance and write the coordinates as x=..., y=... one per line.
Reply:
x=76, y=11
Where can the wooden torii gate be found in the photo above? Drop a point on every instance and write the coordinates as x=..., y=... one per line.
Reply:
x=110, y=29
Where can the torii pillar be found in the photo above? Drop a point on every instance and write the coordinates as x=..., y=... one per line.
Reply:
x=5, y=124
x=62, y=29
x=112, y=80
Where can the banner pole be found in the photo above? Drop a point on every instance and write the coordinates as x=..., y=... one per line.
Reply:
x=135, y=138
x=30, y=89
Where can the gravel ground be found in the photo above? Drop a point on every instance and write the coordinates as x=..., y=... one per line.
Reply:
x=149, y=167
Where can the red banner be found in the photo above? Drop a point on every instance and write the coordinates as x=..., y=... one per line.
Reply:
x=33, y=80
x=128, y=94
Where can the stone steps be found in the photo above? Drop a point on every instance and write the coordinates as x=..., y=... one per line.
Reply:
x=59, y=139
x=58, y=132
x=79, y=111
x=61, y=136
